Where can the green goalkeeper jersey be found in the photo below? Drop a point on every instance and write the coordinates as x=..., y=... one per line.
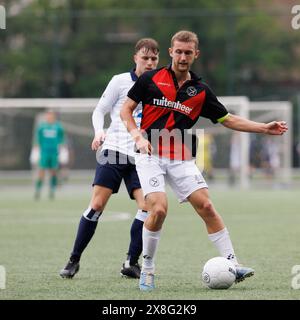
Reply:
x=49, y=137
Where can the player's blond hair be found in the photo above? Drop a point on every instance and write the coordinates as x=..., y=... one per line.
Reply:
x=185, y=36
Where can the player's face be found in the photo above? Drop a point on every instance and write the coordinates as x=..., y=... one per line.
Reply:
x=145, y=61
x=50, y=117
x=183, y=55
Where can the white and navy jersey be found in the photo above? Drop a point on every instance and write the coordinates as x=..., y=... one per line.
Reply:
x=115, y=94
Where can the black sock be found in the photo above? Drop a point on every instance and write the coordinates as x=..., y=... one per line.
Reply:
x=136, y=241
x=86, y=230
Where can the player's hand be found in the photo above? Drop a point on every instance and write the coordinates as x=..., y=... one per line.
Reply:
x=143, y=145
x=98, y=140
x=276, y=127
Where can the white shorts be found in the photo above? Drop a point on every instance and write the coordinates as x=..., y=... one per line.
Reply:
x=184, y=177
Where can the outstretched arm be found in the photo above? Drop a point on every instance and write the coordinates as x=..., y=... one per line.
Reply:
x=241, y=124
x=142, y=144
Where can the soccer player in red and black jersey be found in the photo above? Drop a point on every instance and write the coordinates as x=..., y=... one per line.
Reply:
x=173, y=99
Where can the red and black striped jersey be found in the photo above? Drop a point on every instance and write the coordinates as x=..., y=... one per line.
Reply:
x=166, y=106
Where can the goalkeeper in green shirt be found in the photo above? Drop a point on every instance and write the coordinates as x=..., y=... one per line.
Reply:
x=49, y=137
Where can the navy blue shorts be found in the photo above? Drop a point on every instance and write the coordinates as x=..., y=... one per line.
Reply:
x=112, y=167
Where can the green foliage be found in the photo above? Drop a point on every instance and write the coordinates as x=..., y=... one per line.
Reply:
x=72, y=48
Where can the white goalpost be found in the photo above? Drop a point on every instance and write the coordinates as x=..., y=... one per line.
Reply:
x=240, y=106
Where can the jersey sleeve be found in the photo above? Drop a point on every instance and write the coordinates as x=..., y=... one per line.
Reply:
x=213, y=109
x=137, y=92
x=108, y=99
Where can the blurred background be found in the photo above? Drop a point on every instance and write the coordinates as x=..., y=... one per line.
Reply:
x=72, y=48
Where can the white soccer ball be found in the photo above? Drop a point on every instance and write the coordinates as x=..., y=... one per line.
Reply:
x=218, y=273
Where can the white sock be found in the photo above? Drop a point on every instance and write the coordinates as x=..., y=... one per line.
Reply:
x=150, y=243
x=92, y=215
x=141, y=215
x=222, y=241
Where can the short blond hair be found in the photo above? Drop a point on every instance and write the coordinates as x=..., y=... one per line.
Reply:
x=185, y=36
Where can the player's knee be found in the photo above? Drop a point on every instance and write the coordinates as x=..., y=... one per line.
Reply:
x=98, y=204
x=207, y=206
x=207, y=210
x=159, y=211
x=141, y=205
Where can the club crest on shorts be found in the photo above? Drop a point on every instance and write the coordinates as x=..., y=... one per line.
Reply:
x=191, y=91
x=154, y=182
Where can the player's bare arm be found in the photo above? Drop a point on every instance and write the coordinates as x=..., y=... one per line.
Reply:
x=142, y=144
x=241, y=124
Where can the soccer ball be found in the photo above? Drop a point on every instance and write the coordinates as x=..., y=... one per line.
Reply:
x=218, y=273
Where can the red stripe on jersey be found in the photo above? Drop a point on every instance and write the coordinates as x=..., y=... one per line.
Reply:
x=151, y=114
x=196, y=103
x=164, y=82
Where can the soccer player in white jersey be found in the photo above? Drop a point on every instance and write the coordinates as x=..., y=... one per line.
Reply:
x=115, y=162
x=174, y=97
